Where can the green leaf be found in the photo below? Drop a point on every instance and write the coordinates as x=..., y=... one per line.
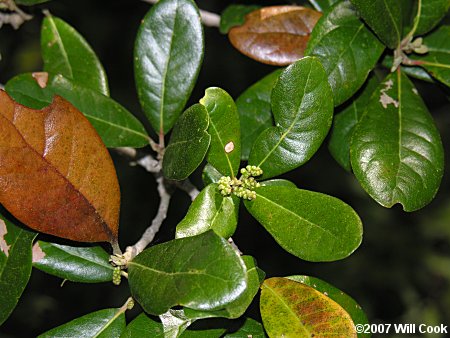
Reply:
x=384, y=17
x=77, y=264
x=322, y=5
x=116, y=125
x=396, y=151
x=167, y=59
x=302, y=106
x=237, y=308
x=412, y=71
x=278, y=182
x=210, y=174
x=344, y=123
x=346, y=48
x=430, y=13
x=24, y=89
x=437, y=60
x=66, y=52
x=143, y=326
x=348, y=303
x=201, y=272
x=210, y=211
x=107, y=323
x=309, y=225
x=250, y=328
x=188, y=144
x=15, y=265
x=255, y=112
x=234, y=15
x=293, y=309
x=225, y=150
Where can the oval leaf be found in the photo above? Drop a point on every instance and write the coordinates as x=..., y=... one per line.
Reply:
x=255, y=112
x=25, y=90
x=348, y=303
x=302, y=106
x=384, y=17
x=179, y=272
x=15, y=265
x=275, y=35
x=396, y=151
x=437, y=60
x=344, y=123
x=77, y=264
x=309, y=225
x=66, y=52
x=225, y=150
x=116, y=125
x=56, y=176
x=30, y=2
x=429, y=14
x=167, y=58
x=107, y=323
x=234, y=15
x=188, y=144
x=293, y=309
x=346, y=48
x=210, y=211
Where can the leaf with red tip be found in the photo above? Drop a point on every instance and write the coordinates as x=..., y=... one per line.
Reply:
x=56, y=176
x=275, y=35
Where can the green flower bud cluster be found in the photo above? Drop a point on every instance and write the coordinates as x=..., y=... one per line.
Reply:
x=244, y=187
x=130, y=304
x=117, y=275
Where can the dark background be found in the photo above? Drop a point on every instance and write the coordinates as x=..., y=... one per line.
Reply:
x=401, y=271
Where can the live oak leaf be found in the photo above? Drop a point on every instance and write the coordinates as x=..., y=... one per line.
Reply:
x=275, y=35
x=56, y=176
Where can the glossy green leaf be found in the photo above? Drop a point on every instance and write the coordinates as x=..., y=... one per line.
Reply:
x=235, y=309
x=279, y=183
x=429, y=14
x=346, y=48
x=412, y=71
x=66, y=52
x=255, y=112
x=293, y=309
x=250, y=328
x=167, y=59
x=437, y=60
x=143, y=326
x=174, y=323
x=77, y=264
x=116, y=125
x=210, y=211
x=234, y=15
x=201, y=272
x=25, y=90
x=225, y=150
x=188, y=144
x=309, y=225
x=302, y=106
x=15, y=265
x=345, y=301
x=344, y=123
x=322, y=5
x=107, y=323
x=396, y=151
x=384, y=17
x=210, y=174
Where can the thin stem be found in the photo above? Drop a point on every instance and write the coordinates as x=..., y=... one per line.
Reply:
x=208, y=19
x=16, y=18
x=153, y=229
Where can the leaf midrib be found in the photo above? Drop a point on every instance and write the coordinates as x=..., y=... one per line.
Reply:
x=60, y=43
x=82, y=258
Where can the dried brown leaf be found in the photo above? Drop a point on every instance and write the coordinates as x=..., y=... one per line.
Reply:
x=275, y=35
x=56, y=176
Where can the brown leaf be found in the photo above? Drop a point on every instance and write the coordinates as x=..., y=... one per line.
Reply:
x=56, y=176
x=275, y=35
